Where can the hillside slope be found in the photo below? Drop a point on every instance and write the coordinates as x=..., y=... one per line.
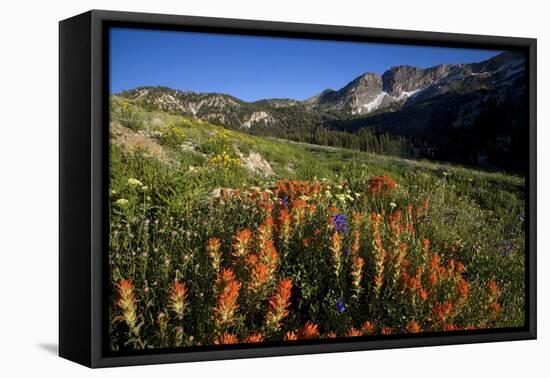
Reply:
x=353, y=243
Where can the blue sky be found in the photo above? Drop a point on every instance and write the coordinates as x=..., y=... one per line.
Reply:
x=254, y=68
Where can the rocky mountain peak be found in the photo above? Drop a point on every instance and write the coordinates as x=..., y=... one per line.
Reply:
x=399, y=86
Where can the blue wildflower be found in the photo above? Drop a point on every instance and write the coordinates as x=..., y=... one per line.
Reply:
x=340, y=223
x=506, y=248
x=346, y=252
x=284, y=201
x=340, y=305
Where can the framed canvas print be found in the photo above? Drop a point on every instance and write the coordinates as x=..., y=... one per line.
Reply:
x=233, y=188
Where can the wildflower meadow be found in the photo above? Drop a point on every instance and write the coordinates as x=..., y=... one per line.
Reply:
x=207, y=249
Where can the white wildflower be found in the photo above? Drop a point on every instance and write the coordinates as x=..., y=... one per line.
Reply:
x=122, y=202
x=134, y=182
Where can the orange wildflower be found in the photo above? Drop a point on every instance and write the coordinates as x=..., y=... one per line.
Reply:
x=255, y=338
x=379, y=252
x=224, y=277
x=336, y=251
x=268, y=255
x=463, y=288
x=357, y=273
x=259, y=277
x=127, y=303
x=435, y=262
x=496, y=309
x=353, y=332
x=493, y=288
x=227, y=300
x=278, y=304
x=381, y=185
x=423, y=294
x=443, y=311
x=399, y=258
x=265, y=230
x=309, y=331
x=178, y=295
x=386, y=330
x=367, y=328
x=291, y=336
x=213, y=249
x=450, y=327
x=284, y=225
x=242, y=242
x=226, y=338
x=266, y=207
x=414, y=327
x=355, y=243
x=433, y=278
x=425, y=247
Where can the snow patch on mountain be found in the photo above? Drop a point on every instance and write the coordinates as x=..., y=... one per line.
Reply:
x=374, y=104
x=407, y=94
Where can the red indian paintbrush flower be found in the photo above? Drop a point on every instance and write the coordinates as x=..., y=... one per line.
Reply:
x=226, y=338
x=443, y=311
x=463, y=288
x=423, y=294
x=213, y=249
x=386, y=330
x=414, y=327
x=290, y=335
x=357, y=273
x=381, y=185
x=309, y=331
x=178, y=296
x=255, y=338
x=493, y=288
x=227, y=305
x=224, y=277
x=278, y=305
x=259, y=276
x=450, y=327
x=399, y=257
x=355, y=243
x=284, y=225
x=336, y=252
x=495, y=308
x=353, y=332
x=127, y=303
x=265, y=230
x=241, y=243
x=298, y=212
x=367, y=328
x=378, y=251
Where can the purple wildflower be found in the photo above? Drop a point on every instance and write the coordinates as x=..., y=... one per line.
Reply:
x=284, y=201
x=340, y=305
x=340, y=223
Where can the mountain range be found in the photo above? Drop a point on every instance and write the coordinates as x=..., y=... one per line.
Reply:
x=462, y=112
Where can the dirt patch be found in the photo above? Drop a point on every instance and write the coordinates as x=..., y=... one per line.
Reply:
x=132, y=142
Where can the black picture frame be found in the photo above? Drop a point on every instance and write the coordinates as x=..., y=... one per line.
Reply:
x=83, y=182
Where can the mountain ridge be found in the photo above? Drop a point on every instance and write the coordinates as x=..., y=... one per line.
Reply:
x=364, y=94
x=432, y=107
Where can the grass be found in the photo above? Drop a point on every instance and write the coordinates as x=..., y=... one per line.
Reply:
x=168, y=213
